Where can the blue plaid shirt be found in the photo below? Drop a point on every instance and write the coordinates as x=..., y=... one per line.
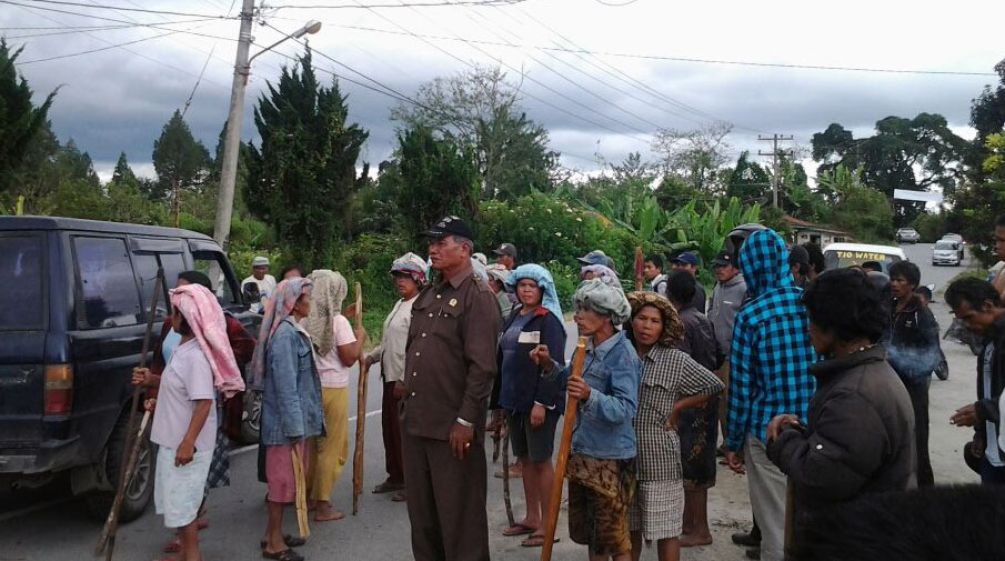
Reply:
x=771, y=352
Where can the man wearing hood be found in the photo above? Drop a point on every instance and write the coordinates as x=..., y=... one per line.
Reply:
x=770, y=358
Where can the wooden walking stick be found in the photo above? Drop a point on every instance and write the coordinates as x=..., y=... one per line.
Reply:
x=506, y=499
x=357, y=457
x=565, y=445
x=640, y=279
x=106, y=541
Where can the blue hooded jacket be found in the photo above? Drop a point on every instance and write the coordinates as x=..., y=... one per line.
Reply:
x=771, y=352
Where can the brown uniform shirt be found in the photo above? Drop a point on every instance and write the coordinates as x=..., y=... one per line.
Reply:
x=450, y=361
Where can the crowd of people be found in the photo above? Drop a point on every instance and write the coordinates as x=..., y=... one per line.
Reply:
x=817, y=381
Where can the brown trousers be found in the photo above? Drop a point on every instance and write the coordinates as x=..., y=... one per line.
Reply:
x=446, y=500
x=390, y=418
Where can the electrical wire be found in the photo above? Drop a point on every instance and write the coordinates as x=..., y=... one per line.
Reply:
x=198, y=81
x=123, y=8
x=97, y=50
x=87, y=29
x=398, y=5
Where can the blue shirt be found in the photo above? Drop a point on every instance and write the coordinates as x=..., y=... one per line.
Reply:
x=605, y=424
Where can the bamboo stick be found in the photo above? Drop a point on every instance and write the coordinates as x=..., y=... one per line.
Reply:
x=506, y=496
x=357, y=457
x=106, y=541
x=640, y=280
x=555, y=503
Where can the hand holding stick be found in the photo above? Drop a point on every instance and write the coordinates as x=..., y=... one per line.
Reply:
x=555, y=502
x=357, y=457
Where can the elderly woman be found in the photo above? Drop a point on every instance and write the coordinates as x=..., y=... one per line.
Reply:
x=185, y=423
x=601, y=467
x=532, y=404
x=338, y=347
x=284, y=366
x=409, y=275
x=672, y=382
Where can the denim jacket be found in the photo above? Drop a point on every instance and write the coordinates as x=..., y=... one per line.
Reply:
x=291, y=402
x=604, y=425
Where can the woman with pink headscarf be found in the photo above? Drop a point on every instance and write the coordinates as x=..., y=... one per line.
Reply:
x=284, y=367
x=185, y=423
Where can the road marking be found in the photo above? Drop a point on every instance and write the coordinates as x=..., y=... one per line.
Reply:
x=250, y=447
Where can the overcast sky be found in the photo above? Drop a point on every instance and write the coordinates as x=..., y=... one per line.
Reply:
x=118, y=99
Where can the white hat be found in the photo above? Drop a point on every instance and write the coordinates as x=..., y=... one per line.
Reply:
x=260, y=261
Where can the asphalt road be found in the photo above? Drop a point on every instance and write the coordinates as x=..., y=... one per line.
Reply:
x=42, y=525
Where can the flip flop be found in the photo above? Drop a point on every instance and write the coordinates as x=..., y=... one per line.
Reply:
x=399, y=497
x=284, y=555
x=535, y=540
x=173, y=546
x=290, y=541
x=518, y=530
x=387, y=487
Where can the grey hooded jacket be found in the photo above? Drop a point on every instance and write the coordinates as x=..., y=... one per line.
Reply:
x=726, y=302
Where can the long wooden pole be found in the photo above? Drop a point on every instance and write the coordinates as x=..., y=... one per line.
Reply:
x=357, y=457
x=106, y=541
x=507, y=502
x=640, y=279
x=555, y=503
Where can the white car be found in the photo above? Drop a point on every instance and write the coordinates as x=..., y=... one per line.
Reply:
x=946, y=252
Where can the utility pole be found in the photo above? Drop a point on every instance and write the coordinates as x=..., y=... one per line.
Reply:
x=232, y=142
x=775, y=155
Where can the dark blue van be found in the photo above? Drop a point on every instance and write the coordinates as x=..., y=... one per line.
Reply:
x=73, y=312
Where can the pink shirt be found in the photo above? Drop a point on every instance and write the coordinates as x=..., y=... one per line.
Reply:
x=186, y=378
x=333, y=373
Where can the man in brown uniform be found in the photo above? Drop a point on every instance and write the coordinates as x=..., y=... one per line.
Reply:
x=450, y=365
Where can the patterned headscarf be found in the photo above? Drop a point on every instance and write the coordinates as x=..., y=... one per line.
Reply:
x=602, y=272
x=203, y=314
x=673, y=327
x=412, y=265
x=604, y=299
x=540, y=275
x=277, y=308
x=327, y=295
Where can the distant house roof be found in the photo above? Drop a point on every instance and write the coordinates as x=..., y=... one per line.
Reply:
x=798, y=225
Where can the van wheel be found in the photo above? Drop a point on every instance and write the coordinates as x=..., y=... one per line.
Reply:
x=251, y=426
x=140, y=490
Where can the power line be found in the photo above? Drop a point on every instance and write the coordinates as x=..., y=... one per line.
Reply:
x=398, y=5
x=98, y=50
x=198, y=81
x=678, y=59
x=122, y=8
x=85, y=29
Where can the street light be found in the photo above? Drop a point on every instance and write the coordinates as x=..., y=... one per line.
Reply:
x=232, y=141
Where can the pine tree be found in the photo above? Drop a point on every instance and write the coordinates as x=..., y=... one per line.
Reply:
x=302, y=178
x=20, y=119
x=182, y=163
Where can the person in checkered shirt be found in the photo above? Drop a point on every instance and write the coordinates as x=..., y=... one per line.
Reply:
x=770, y=356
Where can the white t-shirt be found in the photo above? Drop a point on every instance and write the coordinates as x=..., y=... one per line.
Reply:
x=266, y=287
x=333, y=373
x=187, y=378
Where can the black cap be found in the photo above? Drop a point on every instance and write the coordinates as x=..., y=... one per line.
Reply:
x=799, y=255
x=506, y=249
x=723, y=259
x=450, y=226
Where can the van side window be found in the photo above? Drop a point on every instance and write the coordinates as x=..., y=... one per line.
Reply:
x=107, y=285
x=211, y=263
x=146, y=271
x=21, y=302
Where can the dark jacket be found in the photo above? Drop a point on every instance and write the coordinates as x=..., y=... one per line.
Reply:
x=987, y=405
x=699, y=340
x=913, y=348
x=522, y=385
x=859, y=437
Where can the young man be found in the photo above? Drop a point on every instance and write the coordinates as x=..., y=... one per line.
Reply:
x=727, y=297
x=260, y=285
x=799, y=264
x=770, y=359
x=652, y=270
x=976, y=303
x=688, y=261
x=506, y=255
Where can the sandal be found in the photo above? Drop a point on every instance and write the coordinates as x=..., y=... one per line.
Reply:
x=518, y=530
x=387, y=487
x=173, y=546
x=535, y=540
x=399, y=497
x=290, y=541
x=284, y=555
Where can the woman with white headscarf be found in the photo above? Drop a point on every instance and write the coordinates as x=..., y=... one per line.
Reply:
x=284, y=366
x=601, y=468
x=338, y=347
x=409, y=275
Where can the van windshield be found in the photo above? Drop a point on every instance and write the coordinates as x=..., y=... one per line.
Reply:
x=21, y=303
x=945, y=244
x=839, y=259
